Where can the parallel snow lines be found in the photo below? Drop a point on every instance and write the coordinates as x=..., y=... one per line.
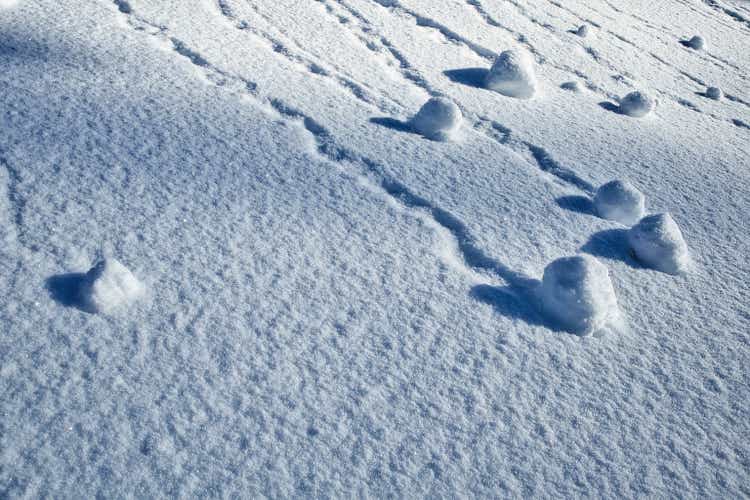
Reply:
x=368, y=171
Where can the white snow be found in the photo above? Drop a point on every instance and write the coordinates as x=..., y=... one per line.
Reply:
x=7, y=4
x=637, y=104
x=512, y=74
x=621, y=201
x=697, y=42
x=658, y=242
x=714, y=93
x=438, y=119
x=583, y=30
x=577, y=294
x=109, y=286
x=335, y=307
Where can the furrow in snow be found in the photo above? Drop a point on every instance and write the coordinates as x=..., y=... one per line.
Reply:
x=467, y=254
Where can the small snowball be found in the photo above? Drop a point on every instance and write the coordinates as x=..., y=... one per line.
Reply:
x=697, y=42
x=583, y=31
x=438, y=119
x=513, y=75
x=572, y=86
x=714, y=93
x=577, y=293
x=620, y=201
x=637, y=104
x=657, y=242
x=109, y=285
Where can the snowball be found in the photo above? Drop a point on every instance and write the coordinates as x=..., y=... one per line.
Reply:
x=512, y=74
x=697, y=42
x=572, y=86
x=577, y=293
x=7, y=4
x=657, y=242
x=637, y=104
x=714, y=93
x=109, y=285
x=438, y=119
x=620, y=201
x=583, y=31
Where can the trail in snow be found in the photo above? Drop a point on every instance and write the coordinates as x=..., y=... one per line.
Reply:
x=368, y=172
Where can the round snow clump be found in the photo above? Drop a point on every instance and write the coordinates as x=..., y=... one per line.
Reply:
x=572, y=86
x=583, y=31
x=577, y=293
x=513, y=75
x=714, y=93
x=109, y=285
x=697, y=42
x=637, y=104
x=620, y=201
x=438, y=119
x=657, y=242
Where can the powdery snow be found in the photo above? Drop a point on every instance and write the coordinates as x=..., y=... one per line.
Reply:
x=658, y=242
x=577, y=294
x=337, y=307
x=620, y=201
x=512, y=74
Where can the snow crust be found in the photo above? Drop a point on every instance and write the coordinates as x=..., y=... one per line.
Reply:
x=577, y=294
x=621, y=201
x=637, y=104
x=658, y=242
x=438, y=119
x=7, y=4
x=512, y=74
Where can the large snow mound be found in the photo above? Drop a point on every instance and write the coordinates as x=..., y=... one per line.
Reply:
x=109, y=285
x=620, y=201
x=637, y=104
x=513, y=75
x=658, y=242
x=577, y=294
x=438, y=119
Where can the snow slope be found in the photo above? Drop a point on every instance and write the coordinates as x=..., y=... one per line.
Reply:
x=336, y=306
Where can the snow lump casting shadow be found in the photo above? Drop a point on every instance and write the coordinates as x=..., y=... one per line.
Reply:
x=67, y=289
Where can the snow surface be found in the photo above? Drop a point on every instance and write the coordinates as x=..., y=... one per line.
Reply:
x=337, y=307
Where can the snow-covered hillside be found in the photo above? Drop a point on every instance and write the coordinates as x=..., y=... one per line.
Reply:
x=237, y=260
